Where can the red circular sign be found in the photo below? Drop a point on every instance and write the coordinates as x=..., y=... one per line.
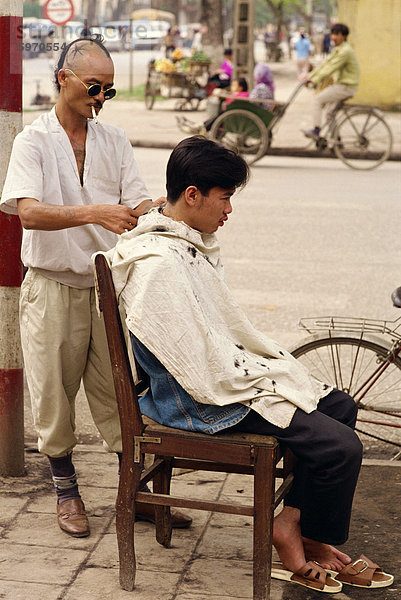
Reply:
x=58, y=12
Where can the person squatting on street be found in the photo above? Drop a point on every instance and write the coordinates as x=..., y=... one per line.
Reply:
x=342, y=65
x=75, y=185
x=210, y=370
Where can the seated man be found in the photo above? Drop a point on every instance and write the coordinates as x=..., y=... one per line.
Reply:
x=342, y=65
x=211, y=370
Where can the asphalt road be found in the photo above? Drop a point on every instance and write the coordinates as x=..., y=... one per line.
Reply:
x=306, y=238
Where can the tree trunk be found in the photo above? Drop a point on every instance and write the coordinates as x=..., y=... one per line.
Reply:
x=212, y=38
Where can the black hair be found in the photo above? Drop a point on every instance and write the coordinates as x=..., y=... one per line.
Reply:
x=205, y=164
x=340, y=28
x=228, y=52
x=95, y=39
x=242, y=82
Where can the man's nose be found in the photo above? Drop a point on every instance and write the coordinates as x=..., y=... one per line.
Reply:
x=228, y=209
x=100, y=96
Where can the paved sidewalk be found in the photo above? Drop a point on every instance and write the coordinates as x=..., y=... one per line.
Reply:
x=157, y=128
x=210, y=561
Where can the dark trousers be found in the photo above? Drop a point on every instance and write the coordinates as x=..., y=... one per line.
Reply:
x=329, y=457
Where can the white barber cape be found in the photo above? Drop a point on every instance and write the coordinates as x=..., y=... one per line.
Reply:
x=178, y=305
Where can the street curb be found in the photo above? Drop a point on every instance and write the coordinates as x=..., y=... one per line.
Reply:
x=374, y=462
x=283, y=151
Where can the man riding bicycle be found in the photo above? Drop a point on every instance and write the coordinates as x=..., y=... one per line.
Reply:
x=342, y=64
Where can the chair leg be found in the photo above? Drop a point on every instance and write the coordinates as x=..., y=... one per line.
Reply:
x=161, y=485
x=264, y=480
x=125, y=519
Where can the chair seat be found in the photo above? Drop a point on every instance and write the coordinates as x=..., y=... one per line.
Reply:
x=223, y=448
x=153, y=427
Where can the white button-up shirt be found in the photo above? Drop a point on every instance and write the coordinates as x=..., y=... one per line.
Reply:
x=43, y=166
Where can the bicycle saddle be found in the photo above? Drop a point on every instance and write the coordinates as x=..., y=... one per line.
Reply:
x=396, y=297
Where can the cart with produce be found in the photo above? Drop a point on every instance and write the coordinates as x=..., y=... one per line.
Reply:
x=184, y=78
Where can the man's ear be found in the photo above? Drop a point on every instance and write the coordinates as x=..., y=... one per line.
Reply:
x=61, y=77
x=191, y=195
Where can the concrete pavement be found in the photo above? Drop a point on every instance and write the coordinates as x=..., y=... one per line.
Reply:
x=210, y=561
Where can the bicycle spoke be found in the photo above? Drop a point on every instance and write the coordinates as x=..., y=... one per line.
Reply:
x=362, y=140
x=361, y=368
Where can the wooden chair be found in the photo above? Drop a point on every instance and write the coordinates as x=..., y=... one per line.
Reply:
x=255, y=455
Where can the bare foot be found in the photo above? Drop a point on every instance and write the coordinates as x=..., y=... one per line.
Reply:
x=287, y=539
x=327, y=556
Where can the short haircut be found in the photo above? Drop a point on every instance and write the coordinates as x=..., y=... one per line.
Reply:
x=79, y=48
x=340, y=28
x=205, y=164
x=228, y=51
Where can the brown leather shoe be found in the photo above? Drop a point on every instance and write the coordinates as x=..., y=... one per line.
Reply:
x=72, y=518
x=146, y=512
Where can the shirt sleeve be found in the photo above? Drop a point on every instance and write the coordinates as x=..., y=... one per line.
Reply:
x=334, y=63
x=24, y=175
x=133, y=189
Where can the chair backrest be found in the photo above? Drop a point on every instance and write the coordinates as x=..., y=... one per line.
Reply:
x=126, y=391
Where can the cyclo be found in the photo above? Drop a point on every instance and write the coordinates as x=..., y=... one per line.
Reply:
x=357, y=135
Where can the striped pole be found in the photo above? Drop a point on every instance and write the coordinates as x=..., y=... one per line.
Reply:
x=11, y=374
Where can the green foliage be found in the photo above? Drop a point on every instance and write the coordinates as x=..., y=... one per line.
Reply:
x=263, y=14
x=290, y=7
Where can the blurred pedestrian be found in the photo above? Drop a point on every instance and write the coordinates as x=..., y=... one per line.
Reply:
x=169, y=43
x=326, y=44
x=197, y=38
x=302, y=48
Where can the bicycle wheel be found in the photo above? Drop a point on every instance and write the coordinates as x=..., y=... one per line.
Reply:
x=242, y=131
x=362, y=139
x=150, y=95
x=352, y=365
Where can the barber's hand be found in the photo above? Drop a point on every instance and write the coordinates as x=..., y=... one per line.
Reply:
x=116, y=218
x=159, y=201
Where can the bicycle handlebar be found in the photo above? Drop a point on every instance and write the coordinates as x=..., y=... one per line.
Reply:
x=295, y=93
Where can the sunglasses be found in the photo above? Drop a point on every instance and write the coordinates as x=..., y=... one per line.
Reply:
x=95, y=88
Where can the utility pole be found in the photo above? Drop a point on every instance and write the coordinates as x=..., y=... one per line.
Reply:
x=244, y=22
x=11, y=374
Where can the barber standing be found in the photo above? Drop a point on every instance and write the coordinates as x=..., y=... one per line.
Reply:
x=75, y=185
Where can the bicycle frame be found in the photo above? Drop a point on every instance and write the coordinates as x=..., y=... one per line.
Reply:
x=360, y=326
x=281, y=111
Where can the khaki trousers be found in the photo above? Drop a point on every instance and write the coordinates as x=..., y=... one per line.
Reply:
x=330, y=95
x=302, y=66
x=64, y=342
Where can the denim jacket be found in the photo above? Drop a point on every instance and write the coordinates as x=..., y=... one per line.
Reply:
x=169, y=404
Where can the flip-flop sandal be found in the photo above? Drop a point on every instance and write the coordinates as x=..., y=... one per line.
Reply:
x=311, y=575
x=363, y=573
